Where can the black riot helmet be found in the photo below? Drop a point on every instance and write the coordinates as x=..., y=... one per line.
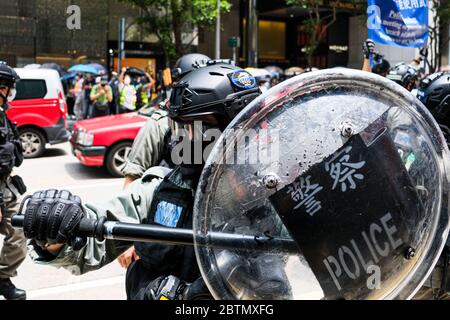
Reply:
x=189, y=62
x=8, y=79
x=202, y=104
x=434, y=92
x=214, y=94
x=404, y=74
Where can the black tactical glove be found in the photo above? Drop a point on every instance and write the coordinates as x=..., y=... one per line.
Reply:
x=53, y=216
x=368, y=48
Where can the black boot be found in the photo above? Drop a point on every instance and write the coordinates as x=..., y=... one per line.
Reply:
x=10, y=292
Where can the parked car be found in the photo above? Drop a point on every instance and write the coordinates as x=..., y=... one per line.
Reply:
x=106, y=141
x=39, y=110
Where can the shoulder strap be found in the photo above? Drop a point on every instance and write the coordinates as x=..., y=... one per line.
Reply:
x=155, y=172
x=159, y=114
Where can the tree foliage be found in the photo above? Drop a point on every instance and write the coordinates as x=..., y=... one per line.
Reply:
x=170, y=20
x=321, y=15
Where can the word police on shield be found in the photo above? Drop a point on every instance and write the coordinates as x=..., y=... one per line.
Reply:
x=348, y=219
x=398, y=22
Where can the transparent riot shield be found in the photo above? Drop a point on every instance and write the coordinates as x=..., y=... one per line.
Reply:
x=347, y=164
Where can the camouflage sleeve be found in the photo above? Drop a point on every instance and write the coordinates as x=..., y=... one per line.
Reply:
x=130, y=206
x=148, y=147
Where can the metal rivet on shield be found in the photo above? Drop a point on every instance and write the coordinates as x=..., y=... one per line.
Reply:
x=410, y=253
x=347, y=129
x=271, y=180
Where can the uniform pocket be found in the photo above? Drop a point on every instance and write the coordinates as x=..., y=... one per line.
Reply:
x=17, y=181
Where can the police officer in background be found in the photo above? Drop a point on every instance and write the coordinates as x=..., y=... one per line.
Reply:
x=434, y=93
x=11, y=188
x=161, y=197
x=405, y=75
x=150, y=146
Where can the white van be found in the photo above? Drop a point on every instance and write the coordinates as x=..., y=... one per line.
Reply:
x=40, y=110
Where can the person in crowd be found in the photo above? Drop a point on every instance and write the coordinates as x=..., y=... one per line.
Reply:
x=78, y=108
x=88, y=83
x=101, y=97
x=127, y=93
x=114, y=84
x=373, y=61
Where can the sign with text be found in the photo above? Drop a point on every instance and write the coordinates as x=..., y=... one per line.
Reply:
x=398, y=22
x=352, y=213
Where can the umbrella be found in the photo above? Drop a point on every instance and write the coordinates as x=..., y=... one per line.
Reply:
x=132, y=71
x=101, y=70
x=68, y=76
x=259, y=74
x=32, y=66
x=54, y=66
x=314, y=69
x=83, y=68
x=275, y=71
x=293, y=71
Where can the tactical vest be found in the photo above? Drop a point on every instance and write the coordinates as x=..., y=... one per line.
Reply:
x=171, y=207
x=123, y=93
x=11, y=152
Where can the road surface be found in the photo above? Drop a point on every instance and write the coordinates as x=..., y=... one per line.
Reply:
x=58, y=168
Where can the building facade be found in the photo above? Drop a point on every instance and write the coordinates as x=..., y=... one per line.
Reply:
x=35, y=31
x=282, y=39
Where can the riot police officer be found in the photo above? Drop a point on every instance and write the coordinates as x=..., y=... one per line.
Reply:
x=211, y=96
x=14, y=245
x=150, y=145
x=405, y=75
x=434, y=92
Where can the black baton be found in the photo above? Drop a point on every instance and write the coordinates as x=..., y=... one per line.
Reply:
x=112, y=230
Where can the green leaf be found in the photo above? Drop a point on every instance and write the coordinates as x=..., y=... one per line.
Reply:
x=167, y=19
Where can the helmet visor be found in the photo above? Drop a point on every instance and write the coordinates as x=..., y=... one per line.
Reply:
x=190, y=142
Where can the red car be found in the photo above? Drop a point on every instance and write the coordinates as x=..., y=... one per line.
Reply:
x=106, y=141
x=40, y=110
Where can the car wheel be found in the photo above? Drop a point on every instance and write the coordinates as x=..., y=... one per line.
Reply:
x=116, y=159
x=33, y=142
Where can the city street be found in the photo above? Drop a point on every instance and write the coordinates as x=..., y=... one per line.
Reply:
x=308, y=144
x=58, y=168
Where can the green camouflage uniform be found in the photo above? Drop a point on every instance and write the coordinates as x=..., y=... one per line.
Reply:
x=14, y=248
x=149, y=147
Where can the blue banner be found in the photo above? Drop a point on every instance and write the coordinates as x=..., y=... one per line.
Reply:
x=398, y=22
